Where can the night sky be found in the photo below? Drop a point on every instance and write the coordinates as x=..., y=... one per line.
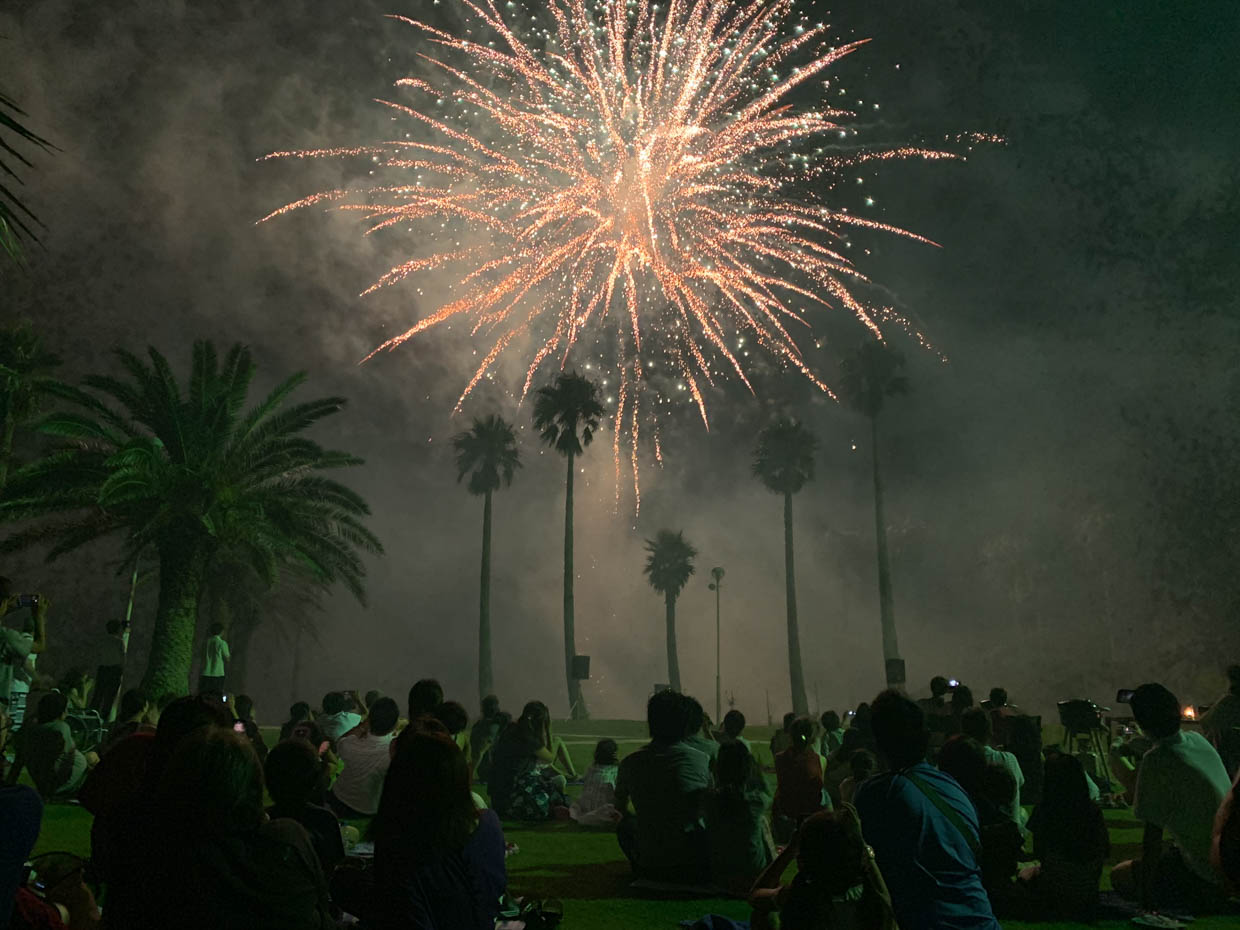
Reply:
x=1053, y=527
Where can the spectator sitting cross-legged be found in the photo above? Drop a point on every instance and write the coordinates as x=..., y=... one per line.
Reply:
x=976, y=723
x=56, y=765
x=1221, y=723
x=132, y=717
x=439, y=861
x=1178, y=787
x=596, y=805
x=424, y=698
x=296, y=780
x=737, y=808
x=366, y=753
x=530, y=768
x=662, y=833
x=798, y=771
x=922, y=826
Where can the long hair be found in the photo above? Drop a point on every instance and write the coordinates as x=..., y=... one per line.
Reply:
x=213, y=784
x=534, y=720
x=801, y=731
x=832, y=859
x=733, y=769
x=426, y=809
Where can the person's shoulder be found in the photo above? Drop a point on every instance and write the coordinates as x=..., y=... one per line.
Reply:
x=284, y=831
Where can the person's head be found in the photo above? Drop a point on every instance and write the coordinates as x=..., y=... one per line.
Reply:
x=939, y=686
x=665, y=716
x=133, y=705
x=384, y=714
x=831, y=851
x=695, y=716
x=535, y=719
x=732, y=767
x=861, y=718
x=1064, y=784
x=426, y=808
x=490, y=706
x=998, y=697
x=862, y=764
x=998, y=785
x=801, y=731
x=830, y=721
x=453, y=716
x=295, y=774
x=74, y=678
x=243, y=706
x=963, y=759
x=788, y=718
x=181, y=718
x=299, y=712
x=962, y=699
x=216, y=629
x=733, y=723
x=334, y=702
x=1156, y=710
x=1233, y=679
x=114, y=627
x=372, y=696
x=212, y=784
x=424, y=697
x=52, y=706
x=975, y=722
x=899, y=729
x=606, y=752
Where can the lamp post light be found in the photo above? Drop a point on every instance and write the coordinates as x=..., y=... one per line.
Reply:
x=716, y=586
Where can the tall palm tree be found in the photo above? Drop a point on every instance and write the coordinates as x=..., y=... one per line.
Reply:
x=567, y=414
x=189, y=473
x=868, y=377
x=784, y=462
x=14, y=214
x=26, y=368
x=488, y=453
x=669, y=564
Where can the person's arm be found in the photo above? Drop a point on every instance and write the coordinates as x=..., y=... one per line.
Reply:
x=562, y=757
x=40, y=625
x=766, y=895
x=1151, y=852
x=623, y=792
x=224, y=648
x=1125, y=772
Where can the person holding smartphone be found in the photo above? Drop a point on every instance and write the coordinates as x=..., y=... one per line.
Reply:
x=18, y=645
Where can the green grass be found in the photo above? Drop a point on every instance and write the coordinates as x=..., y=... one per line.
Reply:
x=585, y=869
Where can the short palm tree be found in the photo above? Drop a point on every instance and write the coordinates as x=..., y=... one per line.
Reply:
x=26, y=369
x=567, y=414
x=488, y=453
x=188, y=472
x=784, y=462
x=868, y=377
x=669, y=563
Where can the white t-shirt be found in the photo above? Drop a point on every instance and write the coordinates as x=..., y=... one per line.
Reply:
x=1180, y=785
x=1008, y=761
x=366, y=760
x=217, y=655
x=335, y=726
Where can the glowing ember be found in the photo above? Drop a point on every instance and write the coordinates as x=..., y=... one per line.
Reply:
x=633, y=174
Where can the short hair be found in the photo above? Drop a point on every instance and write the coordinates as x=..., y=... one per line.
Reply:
x=295, y=774
x=334, y=702
x=490, y=706
x=426, y=809
x=963, y=759
x=665, y=716
x=424, y=697
x=384, y=714
x=975, y=722
x=830, y=720
x=243, y=705
x=733, y=723
x=113, y=627
x=695, y=716
x=133, y=702
x=899, y=728
x=606, y=752
x=298, y=711
x=372, y=696
x=216, y=628
x=1156, y=710
x=998, y=697
x=182, y=717
x=453, y=716
x=939, y=686
x=51, y=706
x=213, y=784
x=801, y=731
x=788, y=718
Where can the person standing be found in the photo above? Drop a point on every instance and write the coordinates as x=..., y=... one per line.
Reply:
x=112, y=650
x=216, y=661
x=16, y=646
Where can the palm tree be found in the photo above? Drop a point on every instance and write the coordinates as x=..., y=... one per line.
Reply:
x=488, y=454
x=189, y=474
x=14, y=215
x=567, y=414
x=871, y=375
x=25, y=380
x=784, y=462
x=668, y=566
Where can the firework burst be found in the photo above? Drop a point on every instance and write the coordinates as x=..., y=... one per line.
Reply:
x=645, y=176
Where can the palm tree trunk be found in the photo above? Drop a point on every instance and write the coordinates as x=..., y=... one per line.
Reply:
x=485, y=680
x=576, y=703
x=799, y=702
x=6, y=447
x=673, y=663
x=886, y=604
x=181, y=564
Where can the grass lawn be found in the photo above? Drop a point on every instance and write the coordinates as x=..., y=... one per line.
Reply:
x=585, y=869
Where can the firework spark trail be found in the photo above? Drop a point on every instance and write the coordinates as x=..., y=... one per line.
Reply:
x=629, y=165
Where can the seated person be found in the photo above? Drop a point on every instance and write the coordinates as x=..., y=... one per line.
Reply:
x=301, y=720
x=296, y=779
x=77, y=686
x=922, y=826
x=1221, y=723
x=734, y=727
x=837, y=885
x=56, y=765
x=596, y=804
x=339, y=716
x=1178, y=787
x=832, y=735
x=780, y=740
x=697, y=729
x=366, y=753
x=1070, y=841
x=455, y=719
x=737, y=808
x=798, y=771
x=659, y=792
x=243, y=707
x=861, y=766
x=1226, y=855
x=439, y=861
x=529, y=768
x=21, y=814
x=482, y=736
x=976, y=723
x=132, y=716
x=216, y=862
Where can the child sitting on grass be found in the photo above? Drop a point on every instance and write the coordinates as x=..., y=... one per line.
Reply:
x=596, y=806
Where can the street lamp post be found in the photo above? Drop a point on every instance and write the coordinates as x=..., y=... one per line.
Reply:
x=716, y=586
